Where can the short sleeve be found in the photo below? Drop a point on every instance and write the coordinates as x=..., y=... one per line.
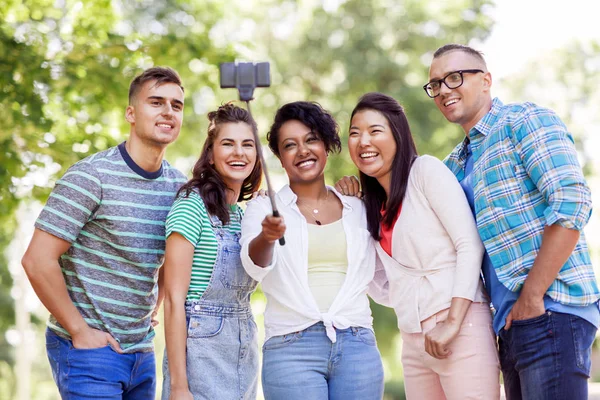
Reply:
x=186, y=217
x=72, y=203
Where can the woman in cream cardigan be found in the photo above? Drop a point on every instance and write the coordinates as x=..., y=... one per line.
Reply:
x=431, y=255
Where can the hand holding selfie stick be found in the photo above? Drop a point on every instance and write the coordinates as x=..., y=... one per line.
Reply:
x=245, y=77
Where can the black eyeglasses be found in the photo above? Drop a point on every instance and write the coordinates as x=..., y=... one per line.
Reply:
x=453, y=80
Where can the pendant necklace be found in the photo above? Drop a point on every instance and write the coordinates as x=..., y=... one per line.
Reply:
x=314, y=211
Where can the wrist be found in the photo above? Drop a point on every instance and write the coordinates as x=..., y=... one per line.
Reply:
x=453, y=322
x=268, y=241
x=78, y=328
x=531, y=294
x=179, y=385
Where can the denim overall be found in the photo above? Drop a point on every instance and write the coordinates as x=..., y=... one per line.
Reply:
x=222, y=349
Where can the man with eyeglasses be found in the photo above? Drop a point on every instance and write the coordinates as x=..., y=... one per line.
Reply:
x=519, y=170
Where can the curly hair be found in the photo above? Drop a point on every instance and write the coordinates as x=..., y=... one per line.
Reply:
x=205, y=178
x=314, y=117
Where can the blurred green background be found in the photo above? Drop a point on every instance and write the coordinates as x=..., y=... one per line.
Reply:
x=65, y=68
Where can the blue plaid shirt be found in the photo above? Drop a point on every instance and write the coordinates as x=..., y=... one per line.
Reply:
x=526, y=176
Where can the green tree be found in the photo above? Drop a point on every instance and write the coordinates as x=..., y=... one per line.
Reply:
x=65, y=68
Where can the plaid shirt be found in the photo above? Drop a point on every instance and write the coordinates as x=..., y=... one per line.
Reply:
x=526, y=176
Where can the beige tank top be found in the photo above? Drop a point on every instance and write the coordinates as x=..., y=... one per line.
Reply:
x=327, y=262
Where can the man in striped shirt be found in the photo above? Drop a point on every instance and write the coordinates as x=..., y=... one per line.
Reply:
x=97, y=248
x=519, y=170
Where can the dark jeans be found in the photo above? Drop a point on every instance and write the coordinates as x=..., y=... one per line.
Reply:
x=100, y=373
x=547, y=357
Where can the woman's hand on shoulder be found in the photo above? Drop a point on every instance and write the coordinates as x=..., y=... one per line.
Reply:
x=259, y=193
x=349, y=186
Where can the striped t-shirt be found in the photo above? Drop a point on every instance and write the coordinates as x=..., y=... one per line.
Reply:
x=190, y=219
x=113, y=214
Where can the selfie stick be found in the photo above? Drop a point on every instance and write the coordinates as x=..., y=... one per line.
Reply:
x=265, y=171
x=246, y=81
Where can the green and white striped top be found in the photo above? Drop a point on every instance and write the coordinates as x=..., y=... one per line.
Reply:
x=190, y=219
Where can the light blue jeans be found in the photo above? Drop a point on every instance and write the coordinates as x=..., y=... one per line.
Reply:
x=307, y=365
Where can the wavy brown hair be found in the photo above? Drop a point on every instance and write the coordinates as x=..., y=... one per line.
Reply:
x=205, y=178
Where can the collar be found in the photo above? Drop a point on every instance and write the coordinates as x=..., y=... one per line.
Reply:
x=136, y=168
x=484, y=126
x=288, y=197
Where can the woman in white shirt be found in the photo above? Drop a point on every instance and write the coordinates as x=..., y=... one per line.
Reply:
x=319, y=338
x=431, y=252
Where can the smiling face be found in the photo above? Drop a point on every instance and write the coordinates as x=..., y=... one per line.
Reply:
x=467, y=104
x=371, y=145
x=156, y=113
x=234, y=153
x=302, y=152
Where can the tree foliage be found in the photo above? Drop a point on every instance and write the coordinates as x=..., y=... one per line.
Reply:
x=65, y=67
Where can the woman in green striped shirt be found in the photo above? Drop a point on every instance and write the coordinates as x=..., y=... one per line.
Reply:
x=212, y=352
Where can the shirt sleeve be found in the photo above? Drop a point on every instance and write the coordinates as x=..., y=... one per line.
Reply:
x=379, y=287
x=72, y=203
x=549, y=156
x=185, y=218
x=448, y=201
x=256, y=211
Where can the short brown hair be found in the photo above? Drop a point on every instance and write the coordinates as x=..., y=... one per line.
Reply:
x=161, y=75
x=447, y=48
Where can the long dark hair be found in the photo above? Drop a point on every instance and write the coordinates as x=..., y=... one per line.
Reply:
x=205, y=178
x=406, y=153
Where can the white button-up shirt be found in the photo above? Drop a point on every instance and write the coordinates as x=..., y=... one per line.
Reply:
x=291, y=306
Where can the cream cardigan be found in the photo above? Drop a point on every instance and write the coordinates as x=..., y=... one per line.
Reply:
x=436, y=249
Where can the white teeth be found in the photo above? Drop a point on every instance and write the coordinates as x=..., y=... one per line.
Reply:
x=237, y=164
x=163, y=125
x=450, y=102
x=368, y=155
x=305, y=163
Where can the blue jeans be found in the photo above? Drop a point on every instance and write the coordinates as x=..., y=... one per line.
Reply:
x=307, y=365
x=547, y=357
x=100, y=373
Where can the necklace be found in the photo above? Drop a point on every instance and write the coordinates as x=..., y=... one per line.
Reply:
x=314, y=211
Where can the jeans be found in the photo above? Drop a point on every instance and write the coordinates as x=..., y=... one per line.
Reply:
x=547, y=357
x=221, y=354
x=307, y=365
x=100, y=373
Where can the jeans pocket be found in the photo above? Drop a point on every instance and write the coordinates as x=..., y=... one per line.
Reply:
x=204, y=326
x=53, y=353
x=583, y=338
x=367, y=336
x=532, y=321
x=277, y=342
x=52, y=340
